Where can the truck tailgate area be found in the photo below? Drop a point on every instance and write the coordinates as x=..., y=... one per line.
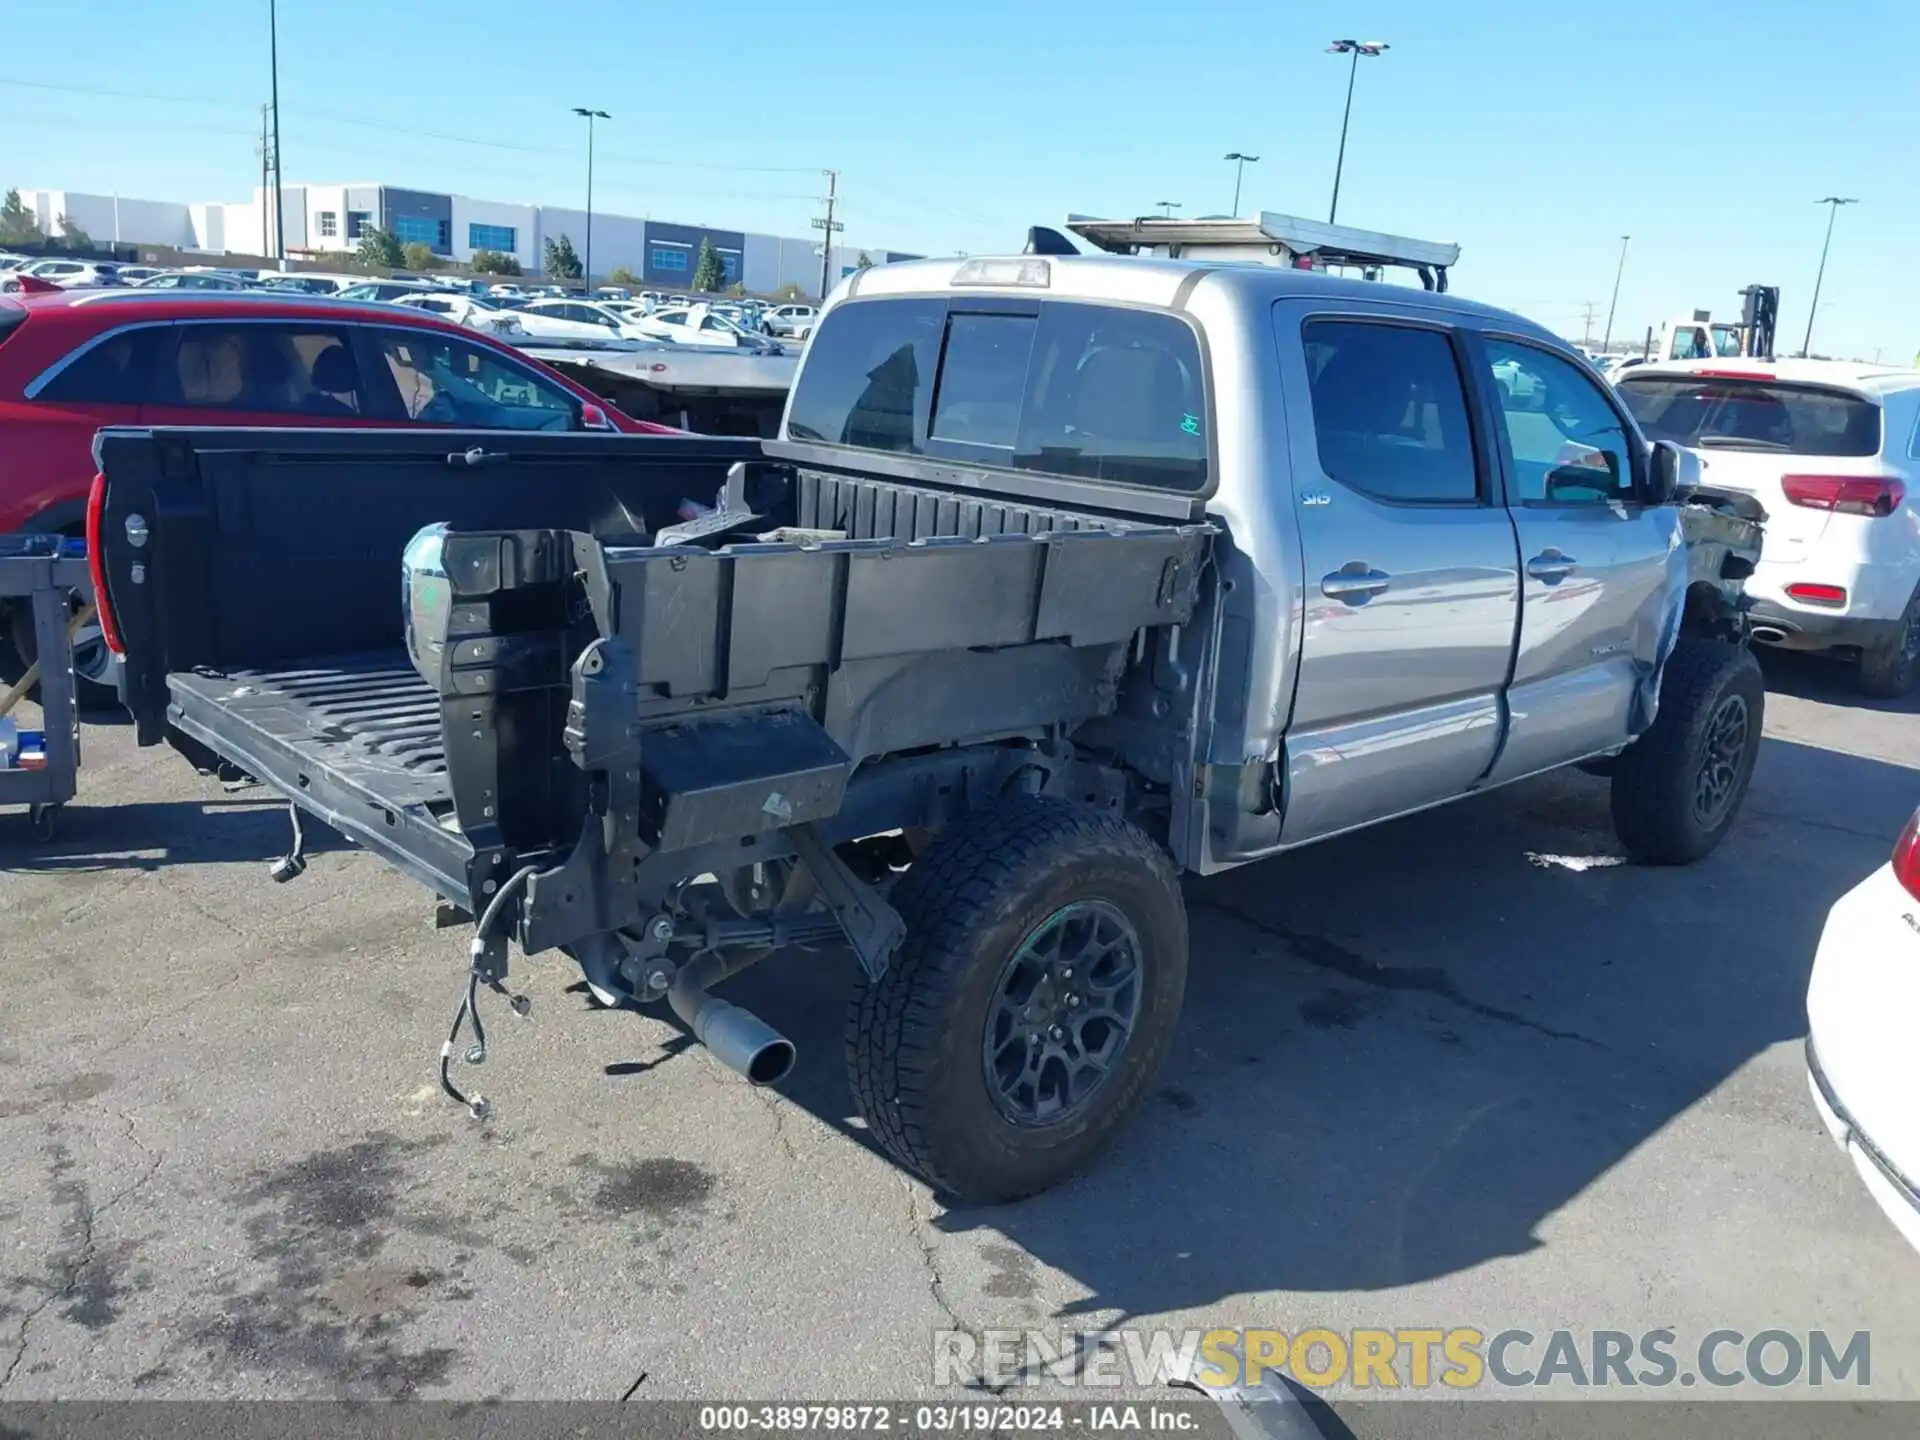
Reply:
x=354, y=739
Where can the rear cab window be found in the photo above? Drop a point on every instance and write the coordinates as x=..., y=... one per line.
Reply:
x=1085, y=390
x=1390, y=411
x=1759, y=415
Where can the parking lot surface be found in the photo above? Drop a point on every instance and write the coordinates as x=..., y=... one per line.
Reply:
x=1463, y=1069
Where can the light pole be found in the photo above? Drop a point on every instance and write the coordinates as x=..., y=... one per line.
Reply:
x=1240, y=163
x=1355, y=48
x=1618, y=271
x=1833, y=204
x=1167, y=207
x=279, y=175
x=587, y=262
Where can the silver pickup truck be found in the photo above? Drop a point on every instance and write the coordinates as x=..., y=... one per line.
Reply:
x=1063, y=576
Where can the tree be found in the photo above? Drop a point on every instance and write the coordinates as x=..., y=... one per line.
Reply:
x=492, y=262
x=17, y=223
x=72, y=236
x=738, y=289
x=418, y=255
x=562, y=262
x=709, y=274
x=621, y=275
x=380, y=248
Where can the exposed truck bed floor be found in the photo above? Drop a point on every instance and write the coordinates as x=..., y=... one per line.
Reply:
x=355, y=739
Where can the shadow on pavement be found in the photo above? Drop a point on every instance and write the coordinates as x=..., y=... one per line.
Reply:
x=1404, y=1049
x=1817, y=677
x=153, y=835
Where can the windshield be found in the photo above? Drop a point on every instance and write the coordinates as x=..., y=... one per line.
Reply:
x=1732, y=414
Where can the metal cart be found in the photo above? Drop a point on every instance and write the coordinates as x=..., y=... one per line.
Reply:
x=46, y=572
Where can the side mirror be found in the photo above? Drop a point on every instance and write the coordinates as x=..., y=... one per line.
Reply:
x=592, y=417
x=1663, y=473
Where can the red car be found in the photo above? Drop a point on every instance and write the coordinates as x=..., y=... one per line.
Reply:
x=77, y=360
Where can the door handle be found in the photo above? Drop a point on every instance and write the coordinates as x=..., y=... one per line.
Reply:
x=1551, y=566
x=1354, y=583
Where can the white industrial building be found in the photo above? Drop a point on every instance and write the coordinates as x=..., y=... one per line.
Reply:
x=328, y=219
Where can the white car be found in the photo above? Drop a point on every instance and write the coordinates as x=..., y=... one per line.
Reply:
x=611, y=319
x=1832, y=450
x=539, y=322
x=507, y=290
x=73, y=274
x=470, y=311
x=1862, y=1065
x=699, y=325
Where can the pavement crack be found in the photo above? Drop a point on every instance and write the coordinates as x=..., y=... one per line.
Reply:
x=917, y=1225
x=1325, y=954
x=240, y=973
x=776, y=1107
x=83, y=1220
x=633, y=1387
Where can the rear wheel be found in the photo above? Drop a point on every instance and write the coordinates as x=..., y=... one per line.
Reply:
x=1889, y=670
x=1677, y=789
x=1031, y=1004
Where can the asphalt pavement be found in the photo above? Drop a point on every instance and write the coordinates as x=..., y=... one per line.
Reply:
x=1465, y=1069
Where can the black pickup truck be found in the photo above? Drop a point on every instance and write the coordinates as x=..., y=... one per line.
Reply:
x=1062, y=578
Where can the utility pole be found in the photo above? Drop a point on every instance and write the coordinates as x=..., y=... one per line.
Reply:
x=1618, y=271
x=828, y=228
x=1167, y=207
x=1833, y=204
x=1587, y=307
x=279, y=176
x=266, y=170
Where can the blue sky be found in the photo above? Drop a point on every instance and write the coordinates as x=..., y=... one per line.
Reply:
x=1534, y=134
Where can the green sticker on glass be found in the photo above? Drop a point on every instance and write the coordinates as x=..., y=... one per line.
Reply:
x=1190, y=424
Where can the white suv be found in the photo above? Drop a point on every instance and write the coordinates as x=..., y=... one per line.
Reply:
x=1832, y=450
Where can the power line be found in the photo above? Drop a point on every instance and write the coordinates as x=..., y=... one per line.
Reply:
x=337, y=118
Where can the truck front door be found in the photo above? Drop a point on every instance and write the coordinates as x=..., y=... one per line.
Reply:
x=1410, y=572
x=1598, y=565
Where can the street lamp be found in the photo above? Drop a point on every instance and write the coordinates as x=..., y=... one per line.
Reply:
x=1240, y=163
x=1833, y=204
x=1167, y=207
x=587, y=263
x=1618, y=271
x=1355, y=48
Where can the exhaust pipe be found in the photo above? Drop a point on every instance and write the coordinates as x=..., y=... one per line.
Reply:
x=740, y=1039
x=1769, y=634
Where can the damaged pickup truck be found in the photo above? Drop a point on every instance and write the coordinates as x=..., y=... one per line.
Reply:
x=1064, y=575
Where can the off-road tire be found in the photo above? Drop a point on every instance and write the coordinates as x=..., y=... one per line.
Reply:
x=914, y=1038
x=1655, y=778
x=1888, y=671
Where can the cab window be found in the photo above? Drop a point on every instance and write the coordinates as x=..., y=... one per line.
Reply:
x=1565, y=444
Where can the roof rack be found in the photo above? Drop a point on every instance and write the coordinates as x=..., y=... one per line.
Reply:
x=1270, y=238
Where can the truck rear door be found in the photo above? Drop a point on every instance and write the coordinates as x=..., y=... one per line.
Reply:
x=1599, y=566
x=1409, y=568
